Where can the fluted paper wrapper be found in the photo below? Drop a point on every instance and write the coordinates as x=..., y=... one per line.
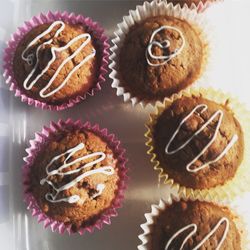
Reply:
x=156, y=210
x=40, y=141
x=157, y=8
x=96, y=31
x=201, y=6
x=232, y=188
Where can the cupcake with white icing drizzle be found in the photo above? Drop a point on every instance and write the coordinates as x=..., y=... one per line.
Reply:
x=56, y=60
x=76, y=177
x=191, y=224
x=199, y=144
x=158, y=51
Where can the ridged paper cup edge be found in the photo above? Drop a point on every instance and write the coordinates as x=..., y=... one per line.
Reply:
x=12, y=44
x=155, y=8
x=156, y=209
x=40, y=141
x=235, y=187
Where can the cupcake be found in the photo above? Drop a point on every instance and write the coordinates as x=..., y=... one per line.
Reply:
x=56, y=60
x=74, y=177
x=198, y=142
x=161, y=53
x=191, y=225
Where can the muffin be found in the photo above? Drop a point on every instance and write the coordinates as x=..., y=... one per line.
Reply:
x=194, y=225
x=75, y=177
x=160, y=56
x=199, y=143
x=56, y=61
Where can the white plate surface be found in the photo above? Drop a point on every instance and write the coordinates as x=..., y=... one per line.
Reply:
x=18, y=123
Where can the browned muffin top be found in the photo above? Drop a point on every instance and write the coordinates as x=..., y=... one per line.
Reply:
x=91, y=194
x=176, y=41
x=76, y=62
x=206, y=216
x=198, y=142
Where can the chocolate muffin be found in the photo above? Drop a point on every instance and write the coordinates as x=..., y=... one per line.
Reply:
x=159, y=57
x=74, y=179
x=199, y=143
x=56, y=61
x=195, y=225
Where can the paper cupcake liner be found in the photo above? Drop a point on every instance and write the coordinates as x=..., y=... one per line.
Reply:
x=204, y=6
x=12, y=44
x=142, y=12
x=239, y=184
x=145, y=237
x=40, y=141
x=201, y=6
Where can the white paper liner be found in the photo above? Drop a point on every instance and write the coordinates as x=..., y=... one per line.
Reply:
x=200, y=6
x=145, y=237
x=150, y=9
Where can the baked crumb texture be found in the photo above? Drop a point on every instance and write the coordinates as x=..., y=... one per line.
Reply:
x=205, y=216
x=78, y=83
x=90, y=205
x=156, y=82
x=175, y=164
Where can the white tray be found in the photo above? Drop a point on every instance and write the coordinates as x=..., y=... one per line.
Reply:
x=18, y=123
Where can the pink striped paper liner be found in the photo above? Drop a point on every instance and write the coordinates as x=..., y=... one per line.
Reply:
x=40, y=141
x=93, y=27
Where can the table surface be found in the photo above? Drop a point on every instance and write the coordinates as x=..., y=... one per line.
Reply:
x=18, y=123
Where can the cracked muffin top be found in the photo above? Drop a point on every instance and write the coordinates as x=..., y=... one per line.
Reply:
x=159, y=57
x=195, y=225
x=199, y=143
x=75, y=178
x=56, y=61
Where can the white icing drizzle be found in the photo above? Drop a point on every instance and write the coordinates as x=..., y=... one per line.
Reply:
x=163, y=45
x=99, y=188
x=107, y=170
x=203, y=108
x=30, y=58
x=194, y=230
